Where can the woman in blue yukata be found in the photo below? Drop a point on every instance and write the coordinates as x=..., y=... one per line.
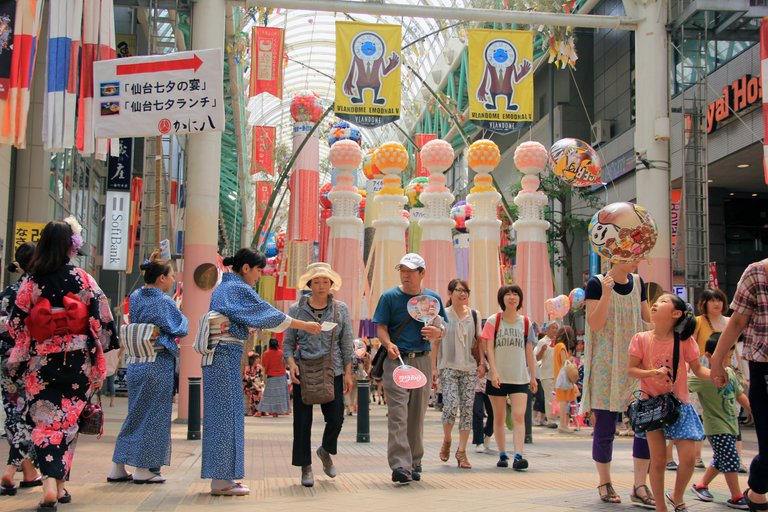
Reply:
x=223, y=419
x=144, y=441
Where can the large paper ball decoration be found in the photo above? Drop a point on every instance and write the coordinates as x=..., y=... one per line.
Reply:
x=414, y=189
x=575, y=162
x=344, y=131
x=324, y=201
x=557, y=307
x=361, y=209
x=306, y=107
x=391, y=158
x=483, y=155
x=369, y=168
x=437, y=155
x=576, y=298
x=280, y=241
x=461, y=212
x=623, y=232
x=531, y=157
x=345, y=155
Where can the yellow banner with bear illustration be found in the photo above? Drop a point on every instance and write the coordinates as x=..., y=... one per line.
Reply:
x=500, y=79
x=368, y=73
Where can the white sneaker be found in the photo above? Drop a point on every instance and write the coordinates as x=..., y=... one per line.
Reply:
x=479, y=448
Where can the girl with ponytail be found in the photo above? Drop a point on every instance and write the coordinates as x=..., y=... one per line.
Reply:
x=652, y=356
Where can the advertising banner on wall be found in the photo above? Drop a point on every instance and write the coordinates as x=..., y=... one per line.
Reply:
x=24, y=232
x=368, y=73
x=159, y=94
x=500, y=79
x=116, y=236
x=267, y=49
x=263, y=150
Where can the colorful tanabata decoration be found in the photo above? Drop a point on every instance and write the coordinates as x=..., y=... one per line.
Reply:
x=413, y=191
x=623, y=232
x=306, y=107
x=344, y=131
x=461, y=212
x=576, y=163
x=576, y=297
x=324, y=201
x=369, y=167
x=557, y=307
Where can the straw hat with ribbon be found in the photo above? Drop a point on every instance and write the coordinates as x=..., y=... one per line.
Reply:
x=320, y=269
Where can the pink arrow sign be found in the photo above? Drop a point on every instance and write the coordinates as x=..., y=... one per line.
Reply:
x=408, y=377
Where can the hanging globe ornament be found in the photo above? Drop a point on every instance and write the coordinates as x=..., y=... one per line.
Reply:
x=461, y=212
x=306, y=107
x=324, y=201
x=369, y=168
x=344, y=131
x=414, y=189
x=623, y=232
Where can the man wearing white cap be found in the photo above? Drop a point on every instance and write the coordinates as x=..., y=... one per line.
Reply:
x=403, y=336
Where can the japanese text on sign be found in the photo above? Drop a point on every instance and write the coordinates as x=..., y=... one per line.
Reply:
x=26, y=232
x=158, y=95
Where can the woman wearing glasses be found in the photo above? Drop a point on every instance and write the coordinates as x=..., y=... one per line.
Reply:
x=457, y=369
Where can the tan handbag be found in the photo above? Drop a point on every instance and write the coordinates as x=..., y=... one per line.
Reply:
x=317, y=375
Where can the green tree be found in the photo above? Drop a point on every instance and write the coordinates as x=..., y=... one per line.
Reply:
x=571, y=225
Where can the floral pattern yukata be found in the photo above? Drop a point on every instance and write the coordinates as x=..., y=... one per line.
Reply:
x=60, y=369
x=253, y=382
x=17, y=430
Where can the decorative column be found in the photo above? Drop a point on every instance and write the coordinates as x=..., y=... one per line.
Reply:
x=391, y=159
x=306, y=110
x=461, y=212
x=346, y=238
x=532, y=271
x=436, y=244
x=484, y=273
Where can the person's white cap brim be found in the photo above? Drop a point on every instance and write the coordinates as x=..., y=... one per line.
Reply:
x=412, y=261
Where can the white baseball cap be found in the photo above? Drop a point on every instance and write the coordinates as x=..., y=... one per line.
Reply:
x=412, y=261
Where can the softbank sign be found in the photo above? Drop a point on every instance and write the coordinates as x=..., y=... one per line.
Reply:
x=116, y=218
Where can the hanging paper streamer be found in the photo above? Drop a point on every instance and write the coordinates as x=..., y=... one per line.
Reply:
x=267, y=49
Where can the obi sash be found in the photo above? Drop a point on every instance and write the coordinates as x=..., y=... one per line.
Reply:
x=44, y=322
x=140, y=342
x=212, y=330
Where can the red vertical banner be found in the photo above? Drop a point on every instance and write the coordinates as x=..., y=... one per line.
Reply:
x=674, y=219
x=764, y=83
x=263, y=150
x=421, y=139
x=263, y=192
x=267, y=49
x=713, y=282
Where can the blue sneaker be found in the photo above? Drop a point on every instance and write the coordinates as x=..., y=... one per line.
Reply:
x=519, y=464
x=503, y=461
x=702, y=493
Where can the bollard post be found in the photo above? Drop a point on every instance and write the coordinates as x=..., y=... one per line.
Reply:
x=363, y=411
x=529, y=419
x=193, y=421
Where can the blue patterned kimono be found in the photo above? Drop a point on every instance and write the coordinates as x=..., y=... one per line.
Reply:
x=224, y=415
x=145, y=438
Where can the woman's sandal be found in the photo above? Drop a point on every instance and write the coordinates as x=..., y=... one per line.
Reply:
x=753, y=506
x=7, y=490
x=461, y=458
x=66, y=497
x=445, y=451
x=679, y=507
x=46, y=506
x=610, y=495
x=646, y=500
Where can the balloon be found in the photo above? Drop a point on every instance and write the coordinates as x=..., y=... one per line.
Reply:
x=575, y=162
x=270, y=247
x=360, y=348
x=324, y=201
x=557, y=307
x=623, y=232
x=414, y=189
x=461, y=212
x=576, y=297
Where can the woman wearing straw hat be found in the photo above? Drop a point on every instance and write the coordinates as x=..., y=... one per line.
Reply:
x=335, y=344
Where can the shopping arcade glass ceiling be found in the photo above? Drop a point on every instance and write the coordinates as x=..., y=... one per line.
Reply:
x=310, y=43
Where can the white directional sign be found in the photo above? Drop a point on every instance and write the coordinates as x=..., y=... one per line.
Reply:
x=158, y=95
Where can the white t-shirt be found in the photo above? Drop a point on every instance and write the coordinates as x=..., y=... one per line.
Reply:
x=509, y=349
x=546, y=367
x=456, y=348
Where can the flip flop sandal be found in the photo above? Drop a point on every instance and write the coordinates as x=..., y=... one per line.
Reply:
x=155, y=479
x=126, y=478
x=646, y=500
x=236, y=490
x=610, y=495
x=8, y=490
x=679, y=507
x=753, y=506
x=67, y=498
x=37, y=482
x=46, y=506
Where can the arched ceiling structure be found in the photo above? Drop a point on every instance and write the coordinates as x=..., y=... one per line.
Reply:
x=310, y=44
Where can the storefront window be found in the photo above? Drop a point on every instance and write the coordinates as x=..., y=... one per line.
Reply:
x=718, y=54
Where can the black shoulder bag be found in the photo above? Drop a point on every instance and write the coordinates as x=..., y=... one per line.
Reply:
x=377, y=365
x=656, y=412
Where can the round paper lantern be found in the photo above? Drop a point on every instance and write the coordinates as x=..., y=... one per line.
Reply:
x=345, y=155
x=280, y=241
x=324, y=201
x=575, y=162
x=306, y=107
x=414, y=189
x=557, y=307
x=369, y=168
x=623, y=232
x=576, y=297
x=483, y=155
x=344, y=131
x=531, y=157
x=391, y=158
x=437, y=155
x=461, y=212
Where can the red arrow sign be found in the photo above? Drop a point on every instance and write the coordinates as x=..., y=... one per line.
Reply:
x=193, y=62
